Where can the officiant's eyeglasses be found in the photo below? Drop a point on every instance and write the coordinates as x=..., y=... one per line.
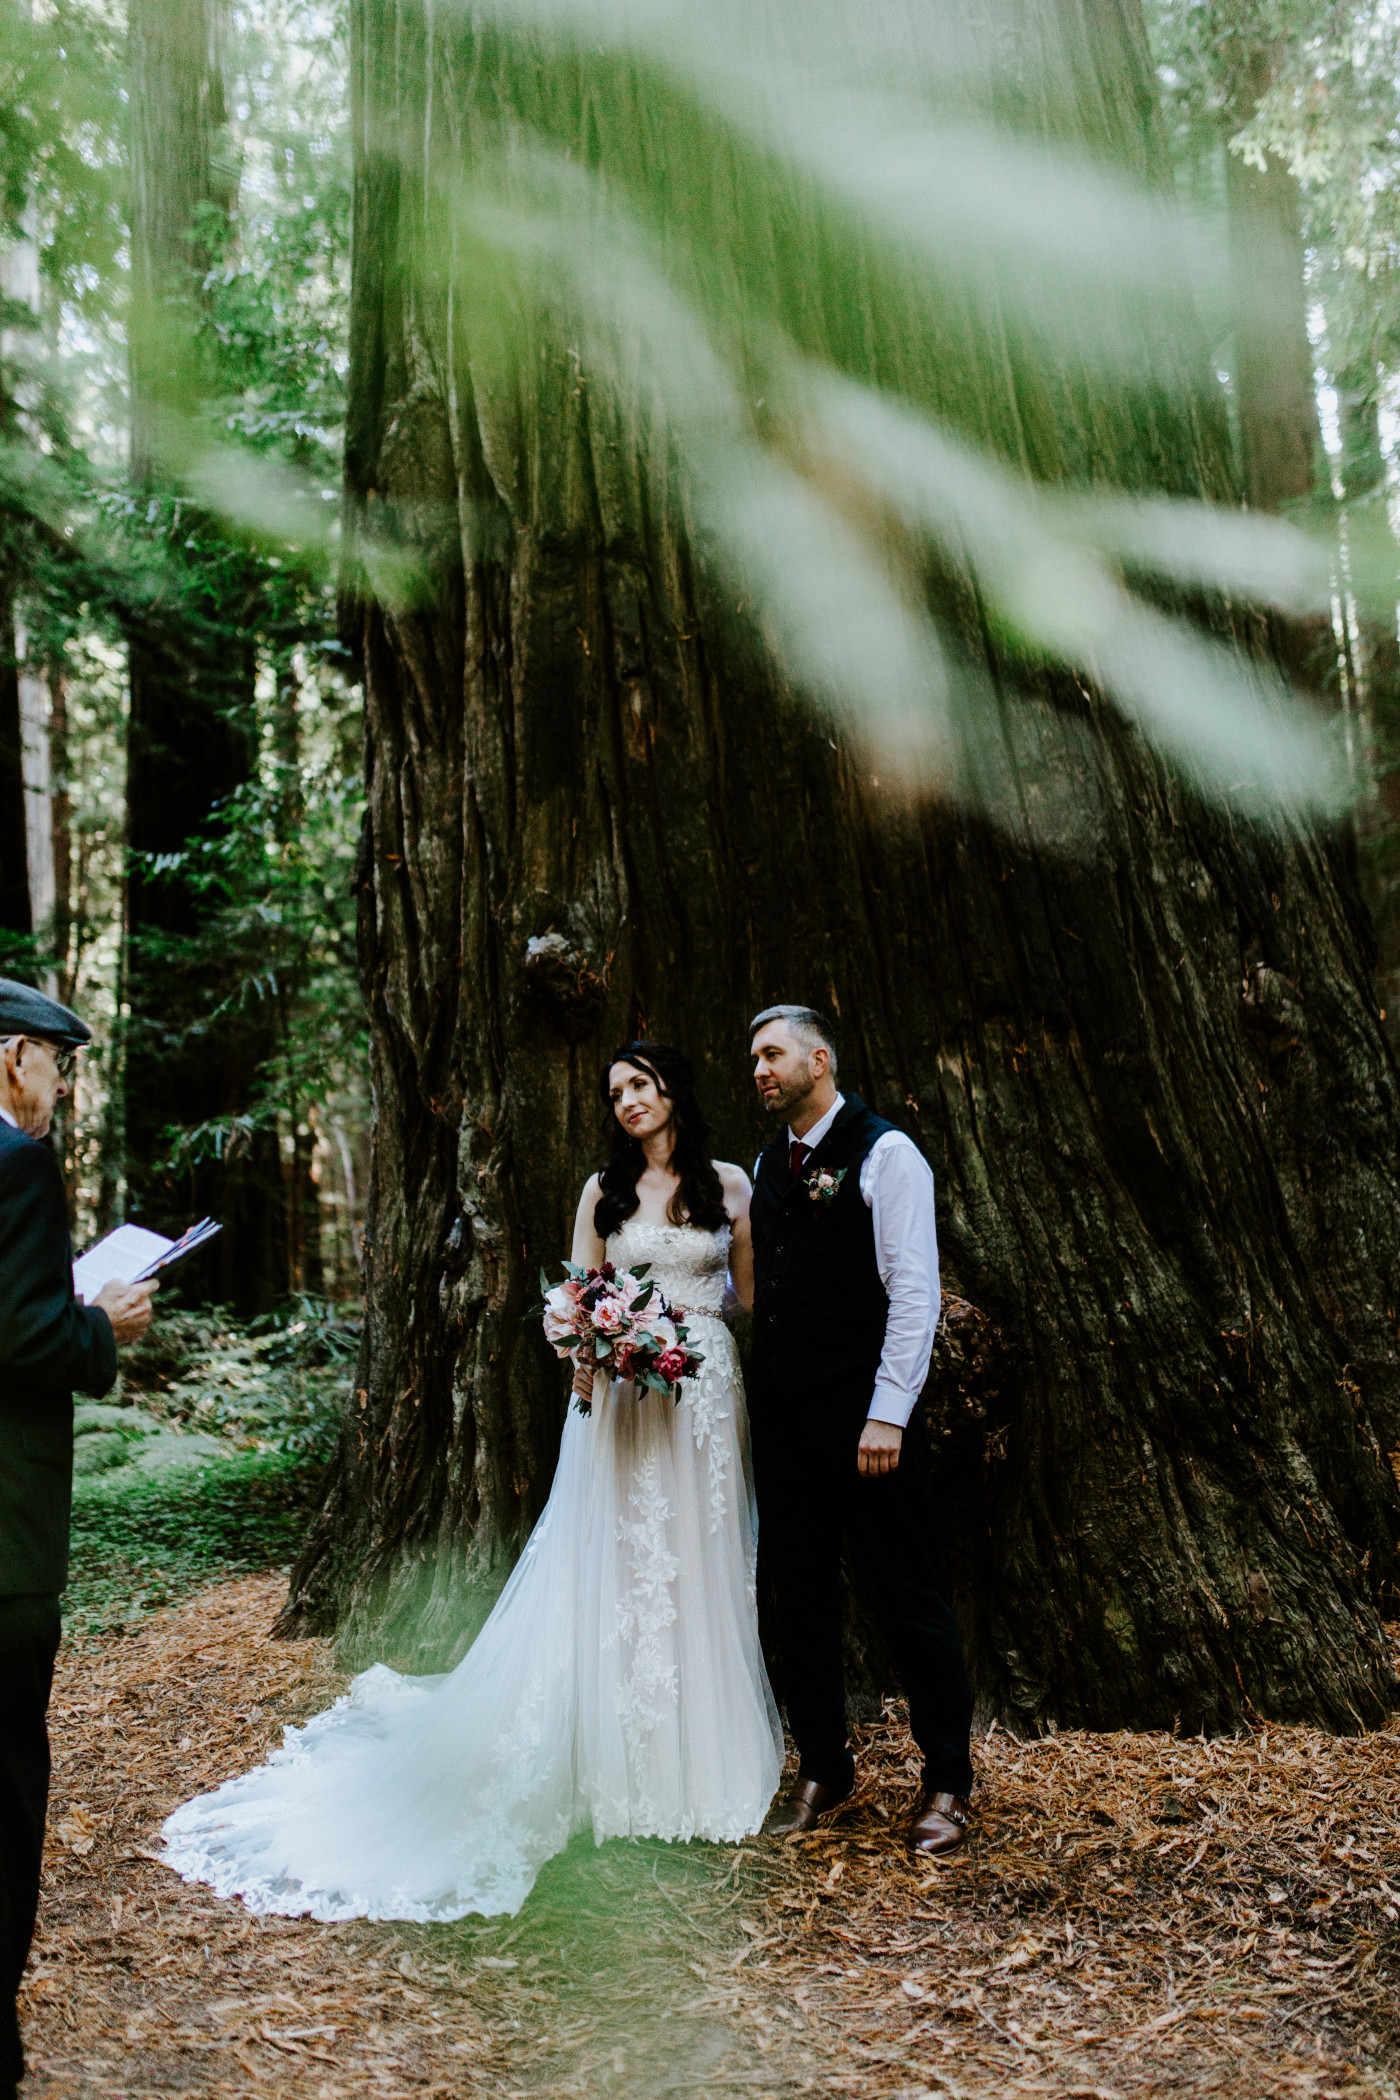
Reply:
x=66, y=1060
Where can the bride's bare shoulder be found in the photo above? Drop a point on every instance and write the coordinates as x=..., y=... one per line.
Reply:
x=733, y=1180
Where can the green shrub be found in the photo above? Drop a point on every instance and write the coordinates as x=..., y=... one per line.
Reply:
x=139, y=1544
x=276, y=1384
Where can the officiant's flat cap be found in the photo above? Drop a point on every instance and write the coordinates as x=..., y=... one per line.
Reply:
x=23, y=1011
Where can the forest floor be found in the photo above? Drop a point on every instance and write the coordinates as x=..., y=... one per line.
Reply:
x=1133, y=1915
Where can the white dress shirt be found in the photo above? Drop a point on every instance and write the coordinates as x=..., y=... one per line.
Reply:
x=896, y=1184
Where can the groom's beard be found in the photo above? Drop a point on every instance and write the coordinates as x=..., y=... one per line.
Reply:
x=788, y=1099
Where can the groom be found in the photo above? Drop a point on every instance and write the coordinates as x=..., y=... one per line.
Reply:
x=845, y=1306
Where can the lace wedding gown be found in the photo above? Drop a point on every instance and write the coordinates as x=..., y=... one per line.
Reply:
x=618, y=1685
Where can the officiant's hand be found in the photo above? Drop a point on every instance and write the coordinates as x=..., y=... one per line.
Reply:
x=879, y=1448
x=128, y=1307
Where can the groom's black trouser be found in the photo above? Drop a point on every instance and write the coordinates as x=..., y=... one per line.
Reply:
x=812, y=1499
x=29, y=1630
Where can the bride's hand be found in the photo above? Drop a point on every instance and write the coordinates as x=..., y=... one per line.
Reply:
x=583, y=1381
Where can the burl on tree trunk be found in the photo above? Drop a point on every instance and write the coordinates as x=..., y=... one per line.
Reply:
x=1143, y=1058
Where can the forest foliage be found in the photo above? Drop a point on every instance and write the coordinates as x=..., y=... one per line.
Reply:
x=91, y=558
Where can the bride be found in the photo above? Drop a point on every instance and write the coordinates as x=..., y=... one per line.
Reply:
x=618, y=1686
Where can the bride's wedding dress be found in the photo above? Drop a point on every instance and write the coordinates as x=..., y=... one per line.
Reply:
x=618, y=1685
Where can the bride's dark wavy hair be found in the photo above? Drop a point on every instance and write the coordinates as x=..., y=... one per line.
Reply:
x=699, y=1200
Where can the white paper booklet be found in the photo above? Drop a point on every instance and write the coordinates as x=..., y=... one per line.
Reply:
x=131, y=1254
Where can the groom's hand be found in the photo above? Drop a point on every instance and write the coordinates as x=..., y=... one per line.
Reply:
x=879, y=1448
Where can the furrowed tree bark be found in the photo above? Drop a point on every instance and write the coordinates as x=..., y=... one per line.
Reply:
x=1135, y=1039
x=191, y=736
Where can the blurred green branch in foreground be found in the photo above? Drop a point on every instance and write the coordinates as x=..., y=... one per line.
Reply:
x=785, y=243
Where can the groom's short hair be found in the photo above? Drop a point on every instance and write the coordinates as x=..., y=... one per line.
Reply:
x=810, y=1028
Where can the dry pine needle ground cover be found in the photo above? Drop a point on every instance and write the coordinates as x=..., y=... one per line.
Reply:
x=1134, y=1915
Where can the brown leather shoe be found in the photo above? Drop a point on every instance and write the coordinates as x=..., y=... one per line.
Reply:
x=940, y=1825
x=803, y=1807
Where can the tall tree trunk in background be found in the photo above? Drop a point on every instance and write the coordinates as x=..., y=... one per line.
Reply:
x=180, y=190
x=1364, y=487
x=1275, y=383
x=191, y=734
x=1145, y=1062
x=38, y=805
x=19, y=284
x=301, y=1197
x=63, y=948
x=1280, y=439
x=61, y=828
x=15, y=916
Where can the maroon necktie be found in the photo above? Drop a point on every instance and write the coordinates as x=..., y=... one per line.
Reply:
x=798, y=1154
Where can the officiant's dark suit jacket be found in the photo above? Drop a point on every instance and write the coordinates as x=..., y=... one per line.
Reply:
x=50, y=1345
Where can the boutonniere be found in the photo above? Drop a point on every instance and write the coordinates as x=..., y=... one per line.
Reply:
x=822, y=1187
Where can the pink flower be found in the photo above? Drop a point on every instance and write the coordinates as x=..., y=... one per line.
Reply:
x=671, y=1364
x=562, y=1320
x=622, y=1361
x=609, y=1316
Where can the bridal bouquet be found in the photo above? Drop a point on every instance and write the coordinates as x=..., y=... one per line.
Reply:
x=615, y=1320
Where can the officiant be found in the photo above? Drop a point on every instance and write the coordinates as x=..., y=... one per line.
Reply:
x=50, y=1344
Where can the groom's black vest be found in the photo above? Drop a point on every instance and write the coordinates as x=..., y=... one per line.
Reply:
x=819, y=1307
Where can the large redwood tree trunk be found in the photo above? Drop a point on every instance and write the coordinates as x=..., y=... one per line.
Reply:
x=1142, y=1055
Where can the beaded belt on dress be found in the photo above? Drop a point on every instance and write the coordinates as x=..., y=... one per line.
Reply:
x=697, y=1312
